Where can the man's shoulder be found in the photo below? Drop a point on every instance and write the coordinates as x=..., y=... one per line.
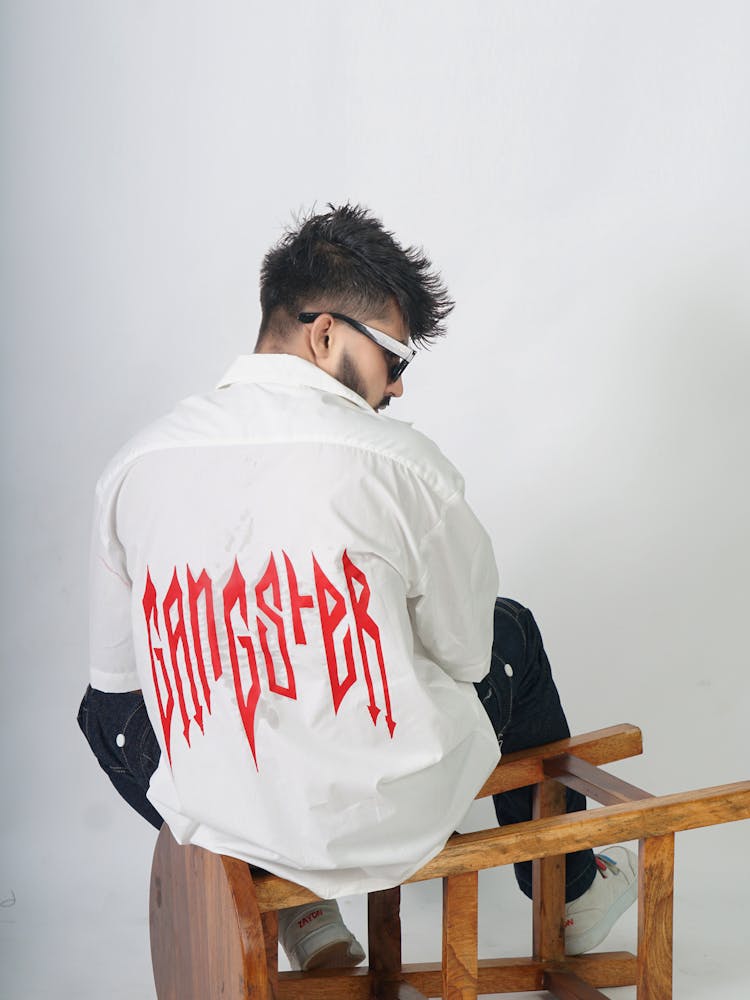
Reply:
x=262, y=416
x=191, y=420
x=398, y=441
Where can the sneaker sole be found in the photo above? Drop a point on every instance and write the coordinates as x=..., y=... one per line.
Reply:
x=336, y=955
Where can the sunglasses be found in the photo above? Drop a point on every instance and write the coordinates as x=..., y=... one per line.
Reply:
x=397, y=355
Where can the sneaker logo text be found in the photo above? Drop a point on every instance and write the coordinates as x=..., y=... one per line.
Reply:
x=309, y=917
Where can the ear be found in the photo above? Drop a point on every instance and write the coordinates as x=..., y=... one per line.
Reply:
x=321, y=337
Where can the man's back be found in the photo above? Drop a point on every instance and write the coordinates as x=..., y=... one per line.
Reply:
x=297, y=594
x=305, y=595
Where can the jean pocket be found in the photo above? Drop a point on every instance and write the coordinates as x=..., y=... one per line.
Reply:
x=498, y=703
x=140, y=746
x=503, y=698
x=106, y=721
x=94, y=722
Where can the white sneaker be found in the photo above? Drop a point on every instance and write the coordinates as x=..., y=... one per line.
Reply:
x=589, y=919
x=314, y=936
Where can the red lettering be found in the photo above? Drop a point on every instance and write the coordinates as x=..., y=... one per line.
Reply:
x=309, y=917
x=197, y=589
x=177, y=637
x=330, y=619
x=366, y=626
x=298, y=601
x=270, y=579
x=180, y=664
x=166, y=704
x=234, y=593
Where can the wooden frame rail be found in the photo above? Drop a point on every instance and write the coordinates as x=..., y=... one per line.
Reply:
x=214, y=925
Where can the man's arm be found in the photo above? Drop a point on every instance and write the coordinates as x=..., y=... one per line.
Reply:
x=452, y=603
x=111, y=655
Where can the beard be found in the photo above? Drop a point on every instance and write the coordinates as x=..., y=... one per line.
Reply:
x=349, y=375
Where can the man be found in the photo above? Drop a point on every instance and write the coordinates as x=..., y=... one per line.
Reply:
x=292, y=604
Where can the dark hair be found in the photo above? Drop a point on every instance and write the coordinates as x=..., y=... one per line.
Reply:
x=346, y=260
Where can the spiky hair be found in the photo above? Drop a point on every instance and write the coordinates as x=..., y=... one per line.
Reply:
x=344, y=259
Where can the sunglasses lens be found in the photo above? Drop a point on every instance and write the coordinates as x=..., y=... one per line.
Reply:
x=396, y=368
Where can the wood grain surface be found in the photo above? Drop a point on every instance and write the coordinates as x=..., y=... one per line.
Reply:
x=568, y=986
x=204, y=941
x=460, y=937
x=655, y=909
x=548, y=882
x=526, y=767
x=214, y=930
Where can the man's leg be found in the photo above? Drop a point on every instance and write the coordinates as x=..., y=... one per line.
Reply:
x=522, y=702
x=521, y=699
x=119, y=732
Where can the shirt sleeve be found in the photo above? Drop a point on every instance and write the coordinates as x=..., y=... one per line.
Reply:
x=453, y=602
x=111, y=655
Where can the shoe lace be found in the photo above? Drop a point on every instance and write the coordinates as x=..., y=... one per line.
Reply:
x=605, y=864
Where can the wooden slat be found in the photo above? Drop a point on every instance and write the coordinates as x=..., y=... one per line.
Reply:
x=270, y=922
x=592, y=781
x=340, y=984
x=324, y=984
x=276, y=893
x=503, y=975
x=517, y=975
x=548, y=882
x=655, y=907
x=541, y=838
x=516, y=770
x=384, y=938
x=460, y=937
x=562, y=834
x=566, y=986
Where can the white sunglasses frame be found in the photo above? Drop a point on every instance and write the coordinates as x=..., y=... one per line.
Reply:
x=384, y=340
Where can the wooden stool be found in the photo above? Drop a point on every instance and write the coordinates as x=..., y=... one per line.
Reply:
x=214, y=926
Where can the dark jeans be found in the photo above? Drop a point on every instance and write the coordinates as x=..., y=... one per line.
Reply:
x=110, y=719
x=521, y=699
x=518, y=694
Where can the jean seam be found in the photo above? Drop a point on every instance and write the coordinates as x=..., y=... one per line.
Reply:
x=83, y=713
x=129, y=719
x=498, y=701
x=515, y=615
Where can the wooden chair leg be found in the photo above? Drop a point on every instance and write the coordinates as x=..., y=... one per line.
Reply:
x=460, y=897
x=206, y=940
x=384, y=940
x=655, y=909
x=548, y=882
x=270, y=921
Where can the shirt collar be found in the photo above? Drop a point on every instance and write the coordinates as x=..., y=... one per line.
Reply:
x=287, y=369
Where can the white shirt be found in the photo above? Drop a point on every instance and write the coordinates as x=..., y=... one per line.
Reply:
x=300, y=589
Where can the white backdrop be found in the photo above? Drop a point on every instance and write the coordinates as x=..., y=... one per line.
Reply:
x=579, y=172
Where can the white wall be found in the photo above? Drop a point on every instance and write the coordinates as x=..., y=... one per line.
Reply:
x=579, y=172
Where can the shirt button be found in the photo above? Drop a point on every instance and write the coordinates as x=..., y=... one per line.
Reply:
x=120, y=739
x=508, y=670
